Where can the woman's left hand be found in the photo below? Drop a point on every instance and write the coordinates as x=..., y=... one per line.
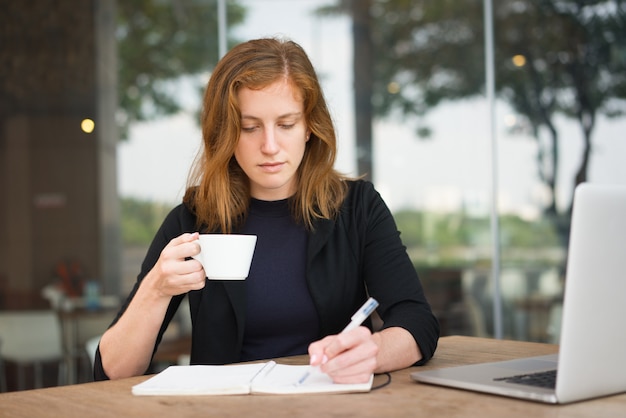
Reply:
x=349, y=357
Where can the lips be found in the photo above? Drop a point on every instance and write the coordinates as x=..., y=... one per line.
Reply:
x=271, y=167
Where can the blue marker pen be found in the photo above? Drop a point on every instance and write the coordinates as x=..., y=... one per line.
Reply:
x=361, y=315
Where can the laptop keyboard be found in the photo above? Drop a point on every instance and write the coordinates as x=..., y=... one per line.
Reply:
x=545, y=379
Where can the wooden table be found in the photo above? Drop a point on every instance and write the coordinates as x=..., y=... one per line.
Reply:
x=402, y=397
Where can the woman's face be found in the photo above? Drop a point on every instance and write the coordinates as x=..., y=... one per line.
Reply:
x=272, y=139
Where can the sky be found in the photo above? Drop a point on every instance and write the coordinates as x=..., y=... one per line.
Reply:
x=453, y=169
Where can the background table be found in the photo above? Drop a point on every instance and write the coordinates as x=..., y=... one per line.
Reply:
x=79, y=325
x=402, y=397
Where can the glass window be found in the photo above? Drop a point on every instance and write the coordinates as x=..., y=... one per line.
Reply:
x=431, y=140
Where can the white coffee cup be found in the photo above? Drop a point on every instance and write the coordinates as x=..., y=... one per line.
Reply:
x=226, y=256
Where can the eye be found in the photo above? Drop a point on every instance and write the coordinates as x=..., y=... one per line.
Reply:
x=287, y=125
x=248, y=128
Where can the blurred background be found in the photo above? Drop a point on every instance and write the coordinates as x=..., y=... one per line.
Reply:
x=475, y=121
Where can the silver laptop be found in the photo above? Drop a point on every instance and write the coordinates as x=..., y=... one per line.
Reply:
x=592, y=352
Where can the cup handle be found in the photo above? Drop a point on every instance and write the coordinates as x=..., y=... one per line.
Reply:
x=198, y=257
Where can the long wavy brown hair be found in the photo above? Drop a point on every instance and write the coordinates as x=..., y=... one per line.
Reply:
x=218, y=191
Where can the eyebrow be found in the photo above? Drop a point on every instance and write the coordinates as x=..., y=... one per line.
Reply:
x=285, y=116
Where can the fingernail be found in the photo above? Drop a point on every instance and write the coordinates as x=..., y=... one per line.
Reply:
x=324, y=359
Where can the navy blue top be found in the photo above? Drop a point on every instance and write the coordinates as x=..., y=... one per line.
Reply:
x=281, y=319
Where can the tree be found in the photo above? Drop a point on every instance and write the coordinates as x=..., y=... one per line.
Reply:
x=362, y=70
x=563, y=57
x=553, y=57
x=158, y=43
x=141, y=219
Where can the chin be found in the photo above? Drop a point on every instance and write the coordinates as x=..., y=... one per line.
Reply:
x=273, y=191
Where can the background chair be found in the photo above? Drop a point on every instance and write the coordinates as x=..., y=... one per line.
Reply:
x=91, y=346
x=31, y=338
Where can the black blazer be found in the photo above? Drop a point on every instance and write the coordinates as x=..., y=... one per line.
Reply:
x=357, y=255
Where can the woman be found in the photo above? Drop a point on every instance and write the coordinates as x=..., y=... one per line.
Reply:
x=325, y=242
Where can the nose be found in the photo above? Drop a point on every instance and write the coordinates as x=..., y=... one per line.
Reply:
x=269, y=144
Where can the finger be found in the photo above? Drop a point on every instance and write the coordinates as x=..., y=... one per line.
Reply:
x=189, y=266
x=193, y=281
x=316, y=351
x=181, y=248
x=182, y=240
x=352, y=356
x=360, y=377
x=351, y=366
x=175, y=284
x=349, y=360
x=346, y=341
x=186, y=237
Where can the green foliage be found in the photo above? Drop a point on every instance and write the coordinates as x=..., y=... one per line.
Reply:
x=410, y=223
x=518, y=233
x=140, y=220
x=433, y=50
x=571, y=56
x=430, y=231
x=449, y=235
x=159, y=42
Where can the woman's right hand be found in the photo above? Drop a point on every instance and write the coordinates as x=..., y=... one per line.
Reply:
x=175, y=272
x=126, y=348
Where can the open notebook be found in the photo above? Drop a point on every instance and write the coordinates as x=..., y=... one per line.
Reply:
x=593, y=342
x=239, y=379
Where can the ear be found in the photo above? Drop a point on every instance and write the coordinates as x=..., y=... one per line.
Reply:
x=308, y=135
